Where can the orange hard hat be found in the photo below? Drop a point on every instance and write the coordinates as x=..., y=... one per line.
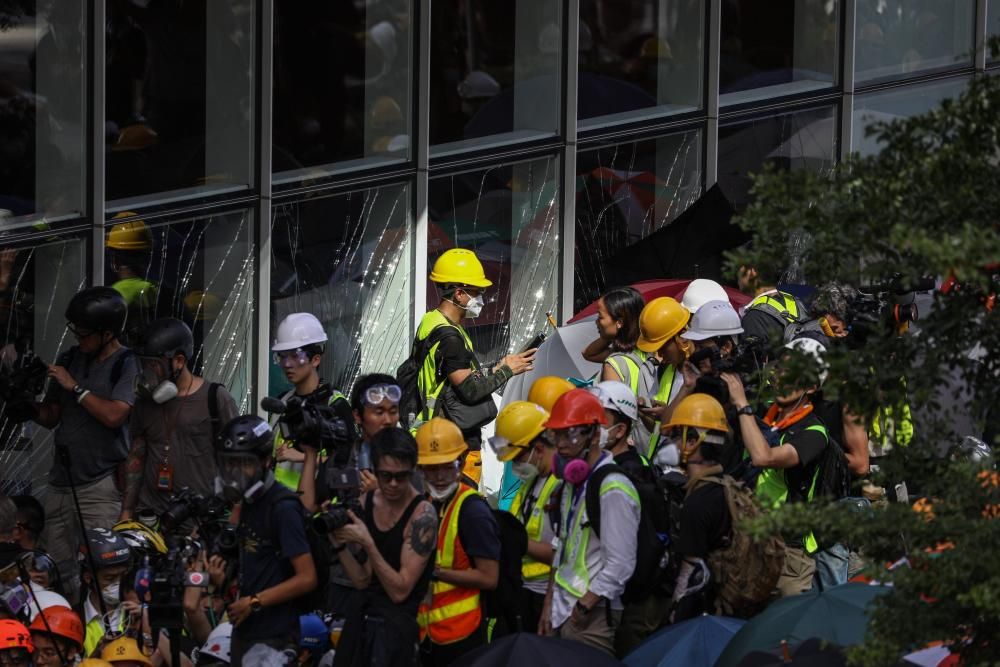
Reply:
x=62, y=621
x=578, y=407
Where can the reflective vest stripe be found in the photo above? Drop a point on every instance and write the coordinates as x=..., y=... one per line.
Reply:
x=663, y=396
x=632, y=364
x=787, y=304
x=94, y=632
x=444, y=612
x=428, y=383
x=531, y=569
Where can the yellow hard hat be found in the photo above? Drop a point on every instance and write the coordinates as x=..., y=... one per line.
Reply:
x=122, y=649
x=473, y=468
x=517, y=425
x=461, y=267
x=545, y=391
x=699, y=411
x=94, y=662
x=439, y=441
x=660, y=320
x=135, y=137
x=202, y=306
x=131, y=235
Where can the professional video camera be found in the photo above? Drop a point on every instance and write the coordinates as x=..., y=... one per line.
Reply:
x=24, y=380
x=344, y=482
x=746, y=359
x=217, y=535
x=888, y=304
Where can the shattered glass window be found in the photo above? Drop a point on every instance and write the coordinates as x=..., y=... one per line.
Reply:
x=509, y=216
x=346, y=259
x=42, y=76
x=625, y=192
x=198, y=270
x=36, y=284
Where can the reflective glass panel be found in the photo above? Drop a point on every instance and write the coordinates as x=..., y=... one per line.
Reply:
x=494, y=75
x=509, y=216
x=639, y=59
x=342, y=77
x=345, y=259
x=992, y=26
x=42, y=102
x=625, y=192
x=899, y=38
x=777, y=47
x=179, y=99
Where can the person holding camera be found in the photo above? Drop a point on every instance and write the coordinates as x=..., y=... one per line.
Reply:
x=276, y=563
x=396, y=533
x=174, y=423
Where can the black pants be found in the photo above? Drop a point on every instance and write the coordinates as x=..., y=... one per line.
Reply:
x=443, y=655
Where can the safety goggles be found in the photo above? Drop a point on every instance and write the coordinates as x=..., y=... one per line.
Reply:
x=291, y=358
x=39, y=561
x=574, y=434
x=383, y=392
x=400, y=477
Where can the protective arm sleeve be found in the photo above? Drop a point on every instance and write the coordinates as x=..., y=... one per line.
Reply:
x=481, y=383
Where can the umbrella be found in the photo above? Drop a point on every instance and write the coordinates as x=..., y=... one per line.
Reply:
x=812, y=652
x=696, y=642
x=526, y=649
x=838, y=615
x=934, y=656
x=652, y=289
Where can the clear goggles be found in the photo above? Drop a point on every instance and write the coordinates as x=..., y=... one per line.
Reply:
x=574, y=434
x=383, y=392
x=290, y=358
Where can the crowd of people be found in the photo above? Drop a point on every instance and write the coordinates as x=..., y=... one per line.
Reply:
x=349, y=529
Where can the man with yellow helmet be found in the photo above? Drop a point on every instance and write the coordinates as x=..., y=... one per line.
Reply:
x=130, y=251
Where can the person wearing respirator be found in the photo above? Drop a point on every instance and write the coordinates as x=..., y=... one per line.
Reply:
x=103, y=611
x=173, y=424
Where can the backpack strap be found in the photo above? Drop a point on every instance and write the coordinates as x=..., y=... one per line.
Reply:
x=213, y=408
x=119, y=367
x=436, y=335
x=593, y=497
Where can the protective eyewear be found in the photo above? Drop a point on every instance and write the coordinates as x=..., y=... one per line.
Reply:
x=383, y=392
x=79, y=333
x=400, y=477
x=39, y=561
x=291, y=358
x=574, y=434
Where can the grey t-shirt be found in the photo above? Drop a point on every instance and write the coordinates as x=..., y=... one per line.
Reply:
x=185, y=424
x=94, y=449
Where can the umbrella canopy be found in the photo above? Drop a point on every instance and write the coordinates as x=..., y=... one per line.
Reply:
x=652, y=289
x=694, y=643
x=527, y=649
x=838, y=615
x=812, y=652
x=934, y=656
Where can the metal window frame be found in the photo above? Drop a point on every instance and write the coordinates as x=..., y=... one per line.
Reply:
x=95, y=183
x=264, y=98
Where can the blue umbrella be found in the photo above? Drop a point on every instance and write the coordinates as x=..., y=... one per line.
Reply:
x=697, y=642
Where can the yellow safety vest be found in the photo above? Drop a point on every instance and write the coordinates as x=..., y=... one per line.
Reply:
x=663, y=396
x=95, y=632
x=428, y=383
x=785, y=305
x=531, y=569
x=632, y=361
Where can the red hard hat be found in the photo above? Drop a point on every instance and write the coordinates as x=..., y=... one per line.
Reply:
x=15, y=635
x=577, y=407
x=62, y=621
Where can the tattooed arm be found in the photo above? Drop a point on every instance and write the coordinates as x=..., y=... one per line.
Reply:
x=134, y=467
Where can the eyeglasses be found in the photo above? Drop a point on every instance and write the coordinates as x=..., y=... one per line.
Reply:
x=80, y=334
x=382, y=392
x=400, y=477
x=289, y=358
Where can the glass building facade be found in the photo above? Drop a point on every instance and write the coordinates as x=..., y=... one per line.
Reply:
x=232, y=161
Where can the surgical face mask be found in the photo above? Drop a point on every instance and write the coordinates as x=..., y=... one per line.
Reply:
x=443, y=493
x=110, y=594
x=153, y=385
x=524, y=471
x=474, y=307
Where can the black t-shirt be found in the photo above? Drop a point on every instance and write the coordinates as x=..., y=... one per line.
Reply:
x=452, y=355
x=477, y=529
x=809, y=445
x=705, y=522
x=831, y=413
x=272, y=532
x=631, y=462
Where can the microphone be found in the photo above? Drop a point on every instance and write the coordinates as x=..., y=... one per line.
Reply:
x=273, y=405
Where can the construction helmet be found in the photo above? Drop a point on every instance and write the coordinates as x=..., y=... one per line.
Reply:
x=578, y=407
x=617, y=396
x=14, y=635
x=106, y=547
x=517, y=425
x=131, y=235
x=141, y=538
x=715, y=318
x=203, y=306
x=122, y=649
x=813, y=349
x=439, y=441
x=166, y=337
x=218, y=643
x=701, y=291
x=61, y=622
x=545, y=391
x=661, y=319
x=45, y=600
x=298, y=330
x=135, y=137
x=313, y=633
x=94, y=662
x=459, y=266
x=699, y=411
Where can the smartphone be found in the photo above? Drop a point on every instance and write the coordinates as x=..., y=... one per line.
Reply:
x=533, y=343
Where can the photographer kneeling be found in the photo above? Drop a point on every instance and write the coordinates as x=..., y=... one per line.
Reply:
x=397, y=533
x=276, y=564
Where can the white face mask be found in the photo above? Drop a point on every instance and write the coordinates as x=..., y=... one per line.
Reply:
x=474, y=307
x=444, y=493
x=524, y=471
x=110, y=594
x=667, y=456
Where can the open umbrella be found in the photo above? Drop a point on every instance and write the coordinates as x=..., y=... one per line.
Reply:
x=839, y=615
x=526, y=649
x=694, y=643
x=811, y=653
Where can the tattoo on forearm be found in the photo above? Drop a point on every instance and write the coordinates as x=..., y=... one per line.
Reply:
x=423, y=531
x=133, y=472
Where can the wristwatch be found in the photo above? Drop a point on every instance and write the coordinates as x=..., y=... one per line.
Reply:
x=582, y=608
x=255, y=604
x=78, y=390
x=745, y=410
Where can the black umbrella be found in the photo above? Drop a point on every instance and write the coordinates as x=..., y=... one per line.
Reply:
x=810, y=653
x=527, y=649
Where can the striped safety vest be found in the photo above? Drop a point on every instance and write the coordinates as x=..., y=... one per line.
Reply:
x=453, y=613
x=628, y=365
x=780, y=305
x=663, y=396
x=531, y=569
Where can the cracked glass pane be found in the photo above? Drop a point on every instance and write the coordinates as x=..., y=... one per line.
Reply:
x=625, y=192
x=346, y=259
x=509, y=216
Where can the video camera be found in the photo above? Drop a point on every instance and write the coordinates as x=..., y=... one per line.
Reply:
x=24, y=380
x=887, y=304
x=217, y=535
x=311, y=420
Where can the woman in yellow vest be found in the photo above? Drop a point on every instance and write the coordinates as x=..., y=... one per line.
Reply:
x=520, y=438
x=618, y=312
x=452, y=621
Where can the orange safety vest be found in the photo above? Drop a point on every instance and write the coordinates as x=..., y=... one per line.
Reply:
x=453, y=613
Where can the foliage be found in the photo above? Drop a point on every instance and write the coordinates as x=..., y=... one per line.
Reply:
x=927, y=205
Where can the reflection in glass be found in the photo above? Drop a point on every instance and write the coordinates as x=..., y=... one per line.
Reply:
x=200, y=271
x=889, y=105
x=777, y=47
x=346, y=260
x=36, y=284
x=798, y=140
x=179, y=99
x=341, y=84
x=42, y=75
x=896, y=38
x=494, y=72
x=992, y=26
x=639, y=59
x=626, y=192
x=508, y=215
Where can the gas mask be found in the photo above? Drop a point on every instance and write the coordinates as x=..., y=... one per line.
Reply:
x=157, y=383
x=240, y=477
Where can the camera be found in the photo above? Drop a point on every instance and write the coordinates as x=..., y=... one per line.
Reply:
x=885, y=305
x=24, y=380
x=311, y=420
x=219, y=537
x=746, y=359
x=344, y=483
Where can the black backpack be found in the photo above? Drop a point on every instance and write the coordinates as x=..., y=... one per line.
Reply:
x=412, y=402
x=649, y=561
x=834, y=480
x=503, y=603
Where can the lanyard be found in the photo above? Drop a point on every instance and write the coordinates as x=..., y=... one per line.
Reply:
x=796, y=416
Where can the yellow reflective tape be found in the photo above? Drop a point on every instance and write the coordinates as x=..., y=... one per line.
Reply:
x=439, y=614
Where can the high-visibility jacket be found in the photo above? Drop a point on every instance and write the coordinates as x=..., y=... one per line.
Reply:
x=429, y=384
x=628, y=365
x=772, y=488
x=453, y=613
x=534, y=523
x=94, y=631
x=663, y=396
x=780, y=305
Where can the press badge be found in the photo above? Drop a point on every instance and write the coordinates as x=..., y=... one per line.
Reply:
x=165, y=478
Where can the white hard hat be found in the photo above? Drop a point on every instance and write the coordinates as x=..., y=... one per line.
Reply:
x=814, y=349
x=615, y=395
x=45, y=599
x=217, y=644
x=298, y=330
x=701, y=291
x=715, y=318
